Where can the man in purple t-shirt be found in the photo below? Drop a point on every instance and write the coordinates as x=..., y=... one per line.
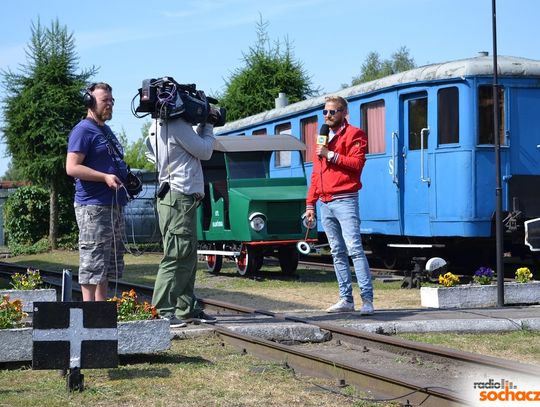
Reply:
x=95, y=160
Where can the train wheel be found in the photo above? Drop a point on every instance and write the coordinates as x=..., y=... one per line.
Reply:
x=246, y=261
x=288, y=259
x=259, y=261
x=390, y=259
x=388, y=256
x=214, y=262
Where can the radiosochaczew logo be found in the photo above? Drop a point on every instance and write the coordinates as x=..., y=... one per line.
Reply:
x=503, y=391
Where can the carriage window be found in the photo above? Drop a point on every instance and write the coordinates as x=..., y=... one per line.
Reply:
x=244, y=166
x=283, y=158
x=417, y=121
x=259, y=132
x=308, y=127
x=373, y=125
x=448, y=115
x=485, y=115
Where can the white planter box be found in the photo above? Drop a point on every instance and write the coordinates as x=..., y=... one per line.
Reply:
x=134, y=337
x=147, y=336
x=471, y=296
x=15, y=344
x=28, y=297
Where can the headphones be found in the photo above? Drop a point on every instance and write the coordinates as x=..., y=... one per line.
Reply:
x=89, y=101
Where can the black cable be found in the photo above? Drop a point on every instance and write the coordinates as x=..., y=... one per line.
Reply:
x=380, y=400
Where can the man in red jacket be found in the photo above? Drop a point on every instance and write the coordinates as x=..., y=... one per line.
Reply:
x=335, y=182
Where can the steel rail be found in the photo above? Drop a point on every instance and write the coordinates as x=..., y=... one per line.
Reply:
x=386, y=387
x=353, y=335
x=338, y=332
x=346, y=334
x=304, y=362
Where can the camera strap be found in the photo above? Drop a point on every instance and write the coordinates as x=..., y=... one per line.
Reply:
x=133, y=184
x=111, y=144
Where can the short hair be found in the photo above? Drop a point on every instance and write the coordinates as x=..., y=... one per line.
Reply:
x=339, y=101
x=100, y=85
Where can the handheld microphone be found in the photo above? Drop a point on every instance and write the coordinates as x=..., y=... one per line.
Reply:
x=322, y=138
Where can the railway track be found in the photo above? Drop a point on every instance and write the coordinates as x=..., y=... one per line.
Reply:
x=387, y=368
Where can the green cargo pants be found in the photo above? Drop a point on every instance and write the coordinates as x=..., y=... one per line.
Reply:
x=175, y=281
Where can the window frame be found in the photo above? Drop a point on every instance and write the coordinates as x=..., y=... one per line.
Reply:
x=283, y=128
x=379, y=148
x=448, y=131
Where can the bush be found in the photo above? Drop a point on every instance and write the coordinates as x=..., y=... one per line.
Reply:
x=26, y=216
x=26, y=220
x=68, y=232
x=41, y=246
x=69, y=241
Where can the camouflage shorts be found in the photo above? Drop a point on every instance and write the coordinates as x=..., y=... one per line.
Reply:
x=101, y=243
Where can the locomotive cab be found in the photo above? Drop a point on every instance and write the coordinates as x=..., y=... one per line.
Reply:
x=248, y=212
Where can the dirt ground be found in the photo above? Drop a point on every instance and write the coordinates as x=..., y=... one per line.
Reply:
x=308, y=299
x=310, y=290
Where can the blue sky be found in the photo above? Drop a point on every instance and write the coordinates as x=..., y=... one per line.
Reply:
x=202, y=41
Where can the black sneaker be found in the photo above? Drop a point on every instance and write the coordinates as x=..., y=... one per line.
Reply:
x=175, y=322
x=202, y=318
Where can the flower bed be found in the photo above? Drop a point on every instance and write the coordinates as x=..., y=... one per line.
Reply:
x=472, y=296
x=134, y=337
x=139, y=329
x=28, y=297
x=27, y=288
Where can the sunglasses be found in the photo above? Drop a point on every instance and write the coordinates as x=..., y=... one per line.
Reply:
x=332, y=112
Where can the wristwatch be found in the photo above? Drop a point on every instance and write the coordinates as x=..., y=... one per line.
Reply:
x=330, y=155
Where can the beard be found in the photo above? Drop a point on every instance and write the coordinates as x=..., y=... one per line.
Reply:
x=104, y=115
x=333, y=123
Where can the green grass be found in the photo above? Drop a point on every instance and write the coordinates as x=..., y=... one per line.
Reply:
x=202, y=372
x=196, y=372
x=142, y=270
x=522, y=346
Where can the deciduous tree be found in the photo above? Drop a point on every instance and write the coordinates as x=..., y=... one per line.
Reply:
x=375, y=68
x=134, y=153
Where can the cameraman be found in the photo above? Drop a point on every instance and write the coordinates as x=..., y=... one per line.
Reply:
x=177, y=150
x=95, y=160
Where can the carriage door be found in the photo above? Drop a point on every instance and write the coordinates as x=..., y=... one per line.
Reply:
x=524, y=136
x=415, y=210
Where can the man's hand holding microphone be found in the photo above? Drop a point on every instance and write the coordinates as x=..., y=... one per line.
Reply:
x=322, y=141
x=322, y=151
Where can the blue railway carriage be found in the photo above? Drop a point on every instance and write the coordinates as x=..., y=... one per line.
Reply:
x=429, y=182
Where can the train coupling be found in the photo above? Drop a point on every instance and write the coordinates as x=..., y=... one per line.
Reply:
x=424, y=270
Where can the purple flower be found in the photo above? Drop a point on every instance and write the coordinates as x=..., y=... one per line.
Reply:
x=484, y=272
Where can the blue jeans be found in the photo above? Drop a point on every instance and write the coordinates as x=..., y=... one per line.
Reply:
x=341, y=221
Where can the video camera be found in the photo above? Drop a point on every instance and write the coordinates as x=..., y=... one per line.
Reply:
x=167, y=99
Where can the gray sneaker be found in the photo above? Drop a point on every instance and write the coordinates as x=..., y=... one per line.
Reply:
x=175, y=322
x=367, y=308
x=341, y=306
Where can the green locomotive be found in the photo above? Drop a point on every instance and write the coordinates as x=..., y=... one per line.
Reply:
x=248, y=214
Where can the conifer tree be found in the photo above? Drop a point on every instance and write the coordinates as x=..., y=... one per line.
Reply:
x=268, y=70
x=42, y=103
